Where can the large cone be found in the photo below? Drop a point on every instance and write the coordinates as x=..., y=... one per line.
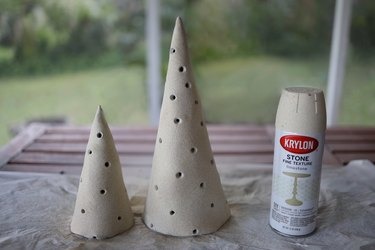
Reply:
x=102, y=208
x=185, y=196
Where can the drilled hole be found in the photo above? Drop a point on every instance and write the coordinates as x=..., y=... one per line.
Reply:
x=83, y=211
x=160, y=140
x=107, y=164
x=119, y=218
x=187, y=85
x=90, y=152
x=171, y=212
x=181, y=69
x=177, y=121
x=172, y=97
x=212, y=205
x=156, y=187
x=173, y=50
x=102, y=191
x=94, y=237
x=62, y=172
x=212, y=161
x=201, y=185
x=179, y=175
x=195, y=231
x=99, y=135
x=151, y=225
x=193, y=150
x=196, y=102
x=202, y=124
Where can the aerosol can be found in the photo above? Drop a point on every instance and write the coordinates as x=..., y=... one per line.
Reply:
x=299, y=145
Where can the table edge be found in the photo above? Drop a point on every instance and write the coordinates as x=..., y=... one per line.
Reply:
x=21, y=141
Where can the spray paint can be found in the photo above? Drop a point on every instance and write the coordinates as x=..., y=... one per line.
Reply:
x=299, y=144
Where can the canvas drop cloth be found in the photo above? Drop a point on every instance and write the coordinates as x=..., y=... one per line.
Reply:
x=36, y=211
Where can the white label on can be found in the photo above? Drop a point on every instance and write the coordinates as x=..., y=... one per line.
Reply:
x=296, y=182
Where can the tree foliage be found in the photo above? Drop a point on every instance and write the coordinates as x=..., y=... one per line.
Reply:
x=43, y=34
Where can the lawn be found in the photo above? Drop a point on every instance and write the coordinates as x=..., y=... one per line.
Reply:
x=232, y=91
x=248, y=90
x=120, y=91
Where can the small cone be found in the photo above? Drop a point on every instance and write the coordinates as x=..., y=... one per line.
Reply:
x=102, y=207
x=185, y=196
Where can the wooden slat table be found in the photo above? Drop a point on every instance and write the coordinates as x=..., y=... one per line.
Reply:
x=41, y=148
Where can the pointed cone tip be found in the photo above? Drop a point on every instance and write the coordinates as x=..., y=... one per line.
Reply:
x=99, y=113
x=179, y=23
x=99, y=110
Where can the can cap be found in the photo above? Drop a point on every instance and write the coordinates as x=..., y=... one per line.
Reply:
x=301, y=110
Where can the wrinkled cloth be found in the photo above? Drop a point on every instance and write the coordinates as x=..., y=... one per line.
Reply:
x=36, y=211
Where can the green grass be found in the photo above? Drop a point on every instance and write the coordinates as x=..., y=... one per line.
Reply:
x=358, y=100
x=248, y=89
x=243, y=90
x=6, y=54
x=120, y=91
x=232, y=91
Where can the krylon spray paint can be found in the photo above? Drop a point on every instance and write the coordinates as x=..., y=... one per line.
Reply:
x=299, y=144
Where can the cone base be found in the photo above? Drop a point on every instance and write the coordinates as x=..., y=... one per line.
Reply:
x=93, y=234
x=174, y=230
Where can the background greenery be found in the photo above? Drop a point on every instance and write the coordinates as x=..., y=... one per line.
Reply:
x=62, y=58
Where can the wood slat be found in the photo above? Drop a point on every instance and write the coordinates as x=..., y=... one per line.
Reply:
x=17, y=144
x=77, y=168
x=68, y=169
x=37, y=168
x=345, y=158
x=114, y=130
x=77, y=138
x=351, y=130
x=140, y=148
x=349, y=138
x=244, y=159
x=213, y=129
x=330, y=138
x=77, y=159
x=52, y=147
x=73, y=159
x=128, y=138
x=353, y=147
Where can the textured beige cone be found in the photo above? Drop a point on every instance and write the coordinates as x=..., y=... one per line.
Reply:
x=102, y=208
x=185, y=196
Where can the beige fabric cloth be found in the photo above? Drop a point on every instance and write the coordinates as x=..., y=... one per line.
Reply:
x=36, y=210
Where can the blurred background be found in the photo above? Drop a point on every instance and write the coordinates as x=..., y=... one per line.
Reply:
x=60, y=59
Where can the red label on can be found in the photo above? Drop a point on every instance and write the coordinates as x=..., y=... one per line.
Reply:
x=298, y=144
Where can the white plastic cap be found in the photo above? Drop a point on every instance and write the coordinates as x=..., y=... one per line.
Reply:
x=301, y=110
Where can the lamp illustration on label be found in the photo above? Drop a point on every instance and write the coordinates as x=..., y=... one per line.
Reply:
x=293, y=201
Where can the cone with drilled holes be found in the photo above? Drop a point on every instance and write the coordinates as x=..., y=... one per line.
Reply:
x=102, y=208
x=185, y=195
